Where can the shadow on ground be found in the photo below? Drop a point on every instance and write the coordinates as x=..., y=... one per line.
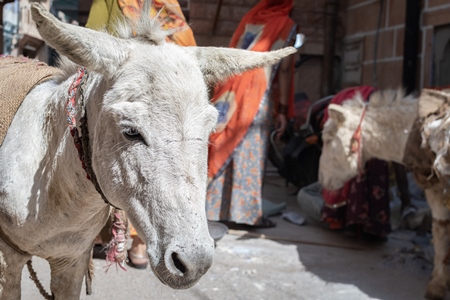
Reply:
x=393, y=269
x=286, y=262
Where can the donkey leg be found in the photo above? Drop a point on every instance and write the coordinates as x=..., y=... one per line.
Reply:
x=438, y=284
x=67, y=276
x=11, y=266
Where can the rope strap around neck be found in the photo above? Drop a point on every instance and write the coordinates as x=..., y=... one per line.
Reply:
x=356, y=142
x=116, y=253
x=71, y=110
x=82, y=144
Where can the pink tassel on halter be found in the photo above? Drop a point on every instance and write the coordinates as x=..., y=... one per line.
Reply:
x=116, y=249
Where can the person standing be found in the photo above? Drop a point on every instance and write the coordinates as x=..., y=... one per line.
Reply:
x=238, y=148
x=104, y=14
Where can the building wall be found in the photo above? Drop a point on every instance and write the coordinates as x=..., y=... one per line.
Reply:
x=360, y=31
x=309, y=15
x=435, y=20
x=26, y=24
x=10, y=24
x=28, y=34
x=362, y=17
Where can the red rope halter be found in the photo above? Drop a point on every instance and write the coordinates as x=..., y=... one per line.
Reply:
x=356, y=142
x=116, y=248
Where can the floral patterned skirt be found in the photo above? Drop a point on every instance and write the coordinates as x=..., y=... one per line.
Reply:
x=367, y=202
x=235, y=193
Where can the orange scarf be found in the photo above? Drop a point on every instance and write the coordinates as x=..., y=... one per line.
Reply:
x=170, y=15
x=239, y=98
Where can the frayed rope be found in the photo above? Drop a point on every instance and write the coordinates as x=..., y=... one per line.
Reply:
x=116, y=249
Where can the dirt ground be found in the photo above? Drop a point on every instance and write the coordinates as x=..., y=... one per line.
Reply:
x=286, y=262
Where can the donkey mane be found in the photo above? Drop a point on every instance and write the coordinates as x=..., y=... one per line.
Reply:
x=67, y=67
x=145, y=30
x=380, y=99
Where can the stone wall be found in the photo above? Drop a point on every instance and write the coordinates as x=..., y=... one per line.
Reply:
x=362, y=19
x=360, y=31
x=435, y=32
x=309, y=15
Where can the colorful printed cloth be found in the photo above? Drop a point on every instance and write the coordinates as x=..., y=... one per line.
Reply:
x=265, y=27
x=235, y=195
x=170, y=15
x=104, y=14
x=238, y=148
x=366, y=202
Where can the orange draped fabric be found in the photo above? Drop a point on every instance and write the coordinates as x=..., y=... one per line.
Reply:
x=170, y=15
x=238, y=100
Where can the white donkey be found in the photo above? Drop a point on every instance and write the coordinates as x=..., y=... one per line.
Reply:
x=395, y=128
x=149, y=120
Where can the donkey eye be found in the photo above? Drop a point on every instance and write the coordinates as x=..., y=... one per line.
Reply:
x=133, y=134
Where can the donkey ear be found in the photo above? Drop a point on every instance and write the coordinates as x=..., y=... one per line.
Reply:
x=218, y=64
x=337, y=113
x=93, y=50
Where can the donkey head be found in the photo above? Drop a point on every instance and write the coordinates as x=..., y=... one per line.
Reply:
x=338, y=163
x=150, y=136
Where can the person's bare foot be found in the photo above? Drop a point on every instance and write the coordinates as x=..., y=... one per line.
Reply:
x=137, y=255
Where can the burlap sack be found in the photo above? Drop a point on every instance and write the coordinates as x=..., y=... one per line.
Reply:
x=18, y=75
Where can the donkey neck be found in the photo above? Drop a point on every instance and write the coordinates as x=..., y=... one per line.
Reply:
x=66, y=177
x=385, y=130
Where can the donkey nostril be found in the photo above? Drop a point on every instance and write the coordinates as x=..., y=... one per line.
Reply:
x=178, y=264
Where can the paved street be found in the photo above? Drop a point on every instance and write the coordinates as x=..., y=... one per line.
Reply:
x=285, y=262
